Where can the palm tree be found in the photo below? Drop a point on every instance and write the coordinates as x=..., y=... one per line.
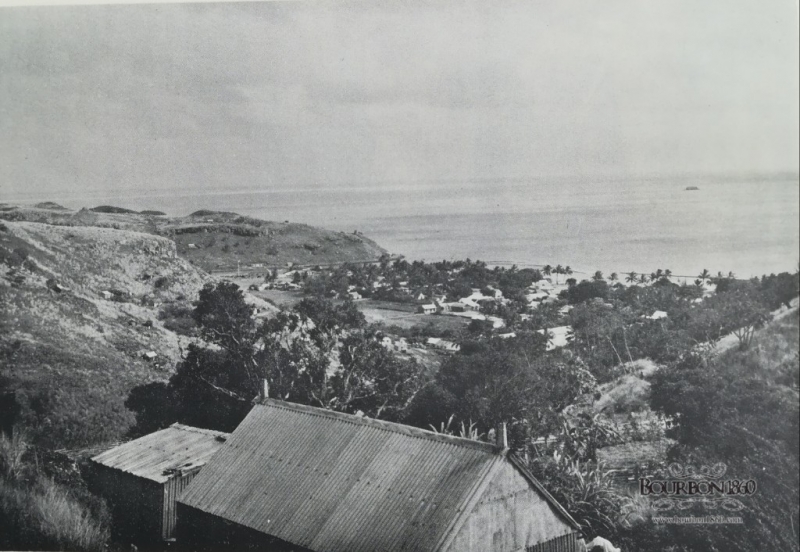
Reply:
x=659, y=274
x=614, y=277
x=667, y=274
x=705, y=275
x=567, y=270
x=643, y=278
x=558, y=270
x=547, y=270
x=598, y=275
x=731, y=275
x=631, y=278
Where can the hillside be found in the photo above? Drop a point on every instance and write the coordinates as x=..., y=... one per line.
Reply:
x=79, y=310
x=92, y=300
x=216, y=241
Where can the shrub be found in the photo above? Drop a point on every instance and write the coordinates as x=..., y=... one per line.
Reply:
x=161, y=282
x=45, y=516
x=178, y=318
x=39, y=513
x=11, y=453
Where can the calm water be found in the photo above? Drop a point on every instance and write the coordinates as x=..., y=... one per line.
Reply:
x=746, y=226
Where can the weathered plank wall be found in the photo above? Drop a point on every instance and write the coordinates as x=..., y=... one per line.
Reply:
x=172, y=489
x=510, y=516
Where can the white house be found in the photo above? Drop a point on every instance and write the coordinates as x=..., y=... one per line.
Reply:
x=427, y=309
x=444, y=344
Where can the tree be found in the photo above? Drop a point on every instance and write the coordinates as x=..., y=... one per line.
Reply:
x=705, y=275
x=373, y=380
x=631, y=277
x=558, y=270
x=316, y=354
x=523, y=389
x=598, y=275
x=614, y=277
x=643, y=278
x=587, y=289
x=780, y=290
x=744, y=312
x=726, y=412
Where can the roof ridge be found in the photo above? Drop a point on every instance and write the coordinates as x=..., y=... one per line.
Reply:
x=203, y=430
x=393, y=427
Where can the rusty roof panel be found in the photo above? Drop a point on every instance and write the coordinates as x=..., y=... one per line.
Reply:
x=334, y=482
x=176, y=447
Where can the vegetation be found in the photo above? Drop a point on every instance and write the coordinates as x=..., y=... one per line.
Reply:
x=723, y=371
x=318, y=353
x=40, y=514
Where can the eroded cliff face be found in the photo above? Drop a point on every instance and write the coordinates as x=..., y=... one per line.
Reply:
x=80, y=327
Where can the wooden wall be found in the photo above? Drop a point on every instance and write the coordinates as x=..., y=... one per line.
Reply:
x=172, y=489
x=511, y=516
x=136, y=503
x=199, y=531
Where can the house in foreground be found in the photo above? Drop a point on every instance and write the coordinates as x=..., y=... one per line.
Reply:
x=299, y=478
x=141, y=479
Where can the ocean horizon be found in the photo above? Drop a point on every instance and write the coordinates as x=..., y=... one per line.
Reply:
x=745, y=226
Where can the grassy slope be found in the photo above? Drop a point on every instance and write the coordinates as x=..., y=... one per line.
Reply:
x=220, y=239
x=72, y=355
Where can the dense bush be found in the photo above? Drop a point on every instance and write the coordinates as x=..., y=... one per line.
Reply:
x=40, y=514
x=177, y=317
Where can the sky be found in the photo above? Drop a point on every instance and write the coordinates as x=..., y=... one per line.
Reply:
x=326, y=95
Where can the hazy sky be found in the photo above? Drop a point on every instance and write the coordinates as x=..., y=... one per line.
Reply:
x=281, y=95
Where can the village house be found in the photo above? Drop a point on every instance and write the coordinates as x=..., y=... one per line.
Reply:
x=444, y=344
x=141, y=479
x=427, y=309
x=294, y=477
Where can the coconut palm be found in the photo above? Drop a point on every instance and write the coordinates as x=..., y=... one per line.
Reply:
x=631, y=278
x=659, y=274
x=667, y=274
x=731, y=275
x=643, y=279
x=558, y=270
x=614, y=277
x=567, y=270
x=705, y=275
x=598, y=275
x=547, y=270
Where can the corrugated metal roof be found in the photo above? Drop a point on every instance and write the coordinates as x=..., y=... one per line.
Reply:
x=334, y=482
x=176, y=447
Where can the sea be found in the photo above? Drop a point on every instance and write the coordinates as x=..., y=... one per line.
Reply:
x=746, y=225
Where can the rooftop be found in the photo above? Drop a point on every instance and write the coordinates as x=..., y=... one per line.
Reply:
x=157, y=455
x=326, y=480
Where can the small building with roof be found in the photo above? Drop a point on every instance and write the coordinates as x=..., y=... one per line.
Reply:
x=299, y=478
x=141, y=479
